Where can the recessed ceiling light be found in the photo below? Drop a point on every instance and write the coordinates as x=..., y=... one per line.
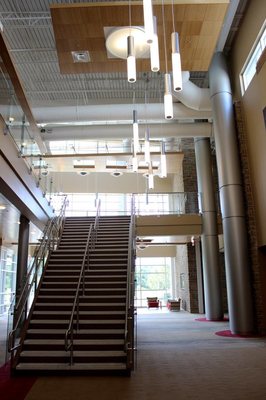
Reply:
x=81, y=56
x=2, y=207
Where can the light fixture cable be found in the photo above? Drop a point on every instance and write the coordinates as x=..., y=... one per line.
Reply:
x=131, y=59
x=168, y=99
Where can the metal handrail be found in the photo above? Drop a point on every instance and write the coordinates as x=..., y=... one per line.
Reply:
x=52, y=229
x=129, y=319
x=70, y=330
x=69, y=341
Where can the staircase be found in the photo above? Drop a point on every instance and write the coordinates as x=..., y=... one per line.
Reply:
x=99, y=343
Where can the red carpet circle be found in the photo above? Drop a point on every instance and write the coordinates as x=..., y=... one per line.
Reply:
x=212, y=320
x=228, y=333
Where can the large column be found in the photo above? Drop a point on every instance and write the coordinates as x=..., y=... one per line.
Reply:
x=22, y=262
x=238, y=277
x=209, y=238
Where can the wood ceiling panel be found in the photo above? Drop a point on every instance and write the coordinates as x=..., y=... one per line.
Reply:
x=80, y=27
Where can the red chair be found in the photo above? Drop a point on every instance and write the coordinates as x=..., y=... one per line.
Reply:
x=153, y=302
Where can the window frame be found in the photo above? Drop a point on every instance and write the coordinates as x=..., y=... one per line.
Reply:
x=249, y=69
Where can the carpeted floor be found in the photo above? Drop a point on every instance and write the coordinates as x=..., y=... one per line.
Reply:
x=178, y=358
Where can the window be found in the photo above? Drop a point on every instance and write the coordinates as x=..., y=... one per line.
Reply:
x=153, y=278
x=249, y=69
x=7, y=278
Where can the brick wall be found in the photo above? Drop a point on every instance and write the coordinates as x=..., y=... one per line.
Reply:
x=190, y=293
x=256, y=268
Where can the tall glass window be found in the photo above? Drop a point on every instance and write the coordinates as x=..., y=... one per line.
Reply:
x=7, y=278
x=249, y=69
x=153, y=279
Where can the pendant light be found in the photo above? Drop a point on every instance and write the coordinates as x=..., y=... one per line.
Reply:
x=148, y=20
x=135, y=131
x=151, y=177
x=163, y=161
x=176, y=59
x=134, y=163
x=168, y=99
x=131, y=60
x=147, y=154
x=154, y=49
x=134, y=160
x=176, y=63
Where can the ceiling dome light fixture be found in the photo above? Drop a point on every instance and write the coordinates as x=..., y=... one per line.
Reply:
x=116, y=42
x=116, y=174
x=83, y=173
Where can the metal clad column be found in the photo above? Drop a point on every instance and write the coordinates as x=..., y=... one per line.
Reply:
x=232, y=203
x=23, y=245
x=209, y=238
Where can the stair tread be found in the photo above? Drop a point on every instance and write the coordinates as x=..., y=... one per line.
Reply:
x=81, y=331
x=80, y=304
x=86, y=282
x=64, y=321
x=74, y=367
x=74, y=289
x=83, y=297
x=76, y=341
x=90, y=271
x=77, y=353
x=92, y=312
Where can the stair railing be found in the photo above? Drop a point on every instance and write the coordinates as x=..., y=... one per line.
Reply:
x=69, y=335
x=90, y=244
x=20, y=308
x=130, y=312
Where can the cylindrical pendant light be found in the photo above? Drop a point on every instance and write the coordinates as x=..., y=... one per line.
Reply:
x=131, y=60
x=168, y=100
x=134, y=164
x=151, y=181
x=163, y=162
x=154, y=49
x=176, y=63
x=135, y=131
x=148, y=20
x=147, y=154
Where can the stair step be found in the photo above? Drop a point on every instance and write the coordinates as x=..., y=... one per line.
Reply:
x=63, y=314
x=81, y=356
x=99, y=353
x=53, y=333
x=79, y=344
x=74, y=367
x=76, y=341
x=69, y=273
x=81, y=304
x=57, y=300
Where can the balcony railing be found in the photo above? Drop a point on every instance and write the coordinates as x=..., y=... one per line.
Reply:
x=177, y=203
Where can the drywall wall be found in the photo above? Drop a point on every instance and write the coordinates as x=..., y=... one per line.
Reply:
x=253, y=101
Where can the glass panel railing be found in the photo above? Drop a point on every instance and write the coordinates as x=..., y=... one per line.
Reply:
x=19, y=131
x=166, y=203
x=20, y=306
x=83, y=204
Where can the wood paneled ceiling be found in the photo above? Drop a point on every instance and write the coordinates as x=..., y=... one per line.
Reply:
x=80, y=27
